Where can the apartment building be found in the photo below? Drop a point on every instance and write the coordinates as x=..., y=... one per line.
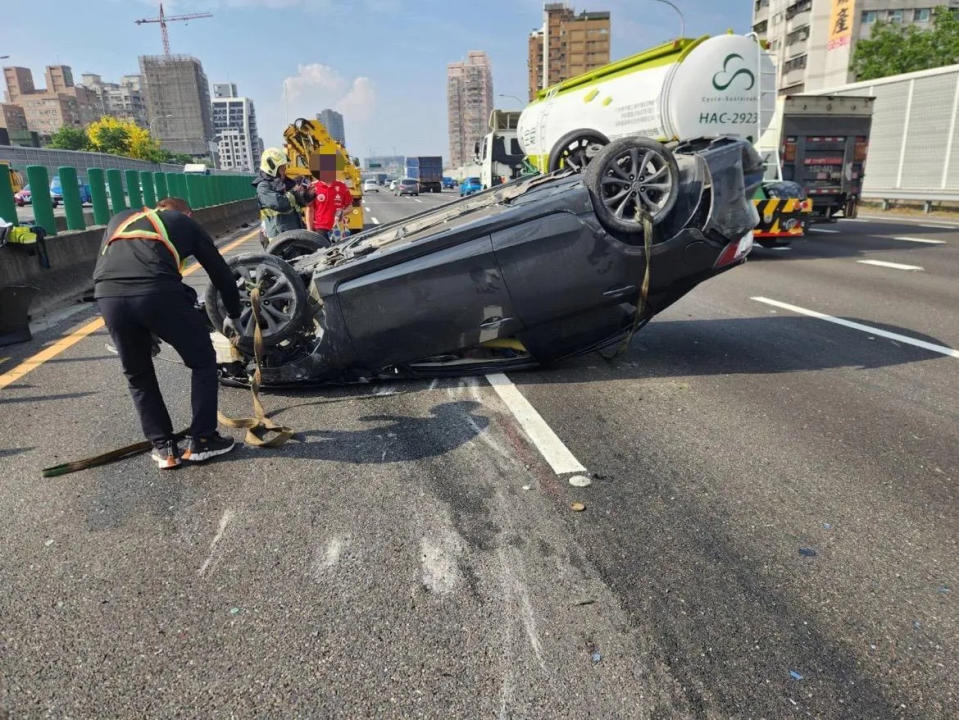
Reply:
x=469, y=91
x=234, y=124
x=333, y=122
x=566, y=45
x=177, y=97
x=123, y=100
x=60, y=103
x=813, y=42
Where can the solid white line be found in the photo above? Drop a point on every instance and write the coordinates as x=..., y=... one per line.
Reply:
x=941, y=349
x=894, y=266
x=375, y=221
x=549, y=445
x=919, y=240
x=823, y=230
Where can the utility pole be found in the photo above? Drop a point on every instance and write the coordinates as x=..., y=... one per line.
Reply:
x=164, y=19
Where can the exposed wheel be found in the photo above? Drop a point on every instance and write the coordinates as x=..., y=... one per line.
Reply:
x=295, y=243
x=574, y=150
x=629, y=176
x=284, y=305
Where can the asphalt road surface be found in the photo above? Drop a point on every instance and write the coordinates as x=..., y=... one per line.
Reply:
x=770, y=530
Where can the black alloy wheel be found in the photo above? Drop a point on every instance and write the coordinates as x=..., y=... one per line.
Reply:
x=632, y=177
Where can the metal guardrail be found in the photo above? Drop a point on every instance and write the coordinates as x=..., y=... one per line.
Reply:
x=121, y=190
x=926, y=197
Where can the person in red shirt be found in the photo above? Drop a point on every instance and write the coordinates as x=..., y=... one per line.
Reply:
x=332, y=201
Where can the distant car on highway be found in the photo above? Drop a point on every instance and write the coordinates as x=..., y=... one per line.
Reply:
x=23, y=197
x=56, y=192
x=448, y=183
x=470, y=185
x=407, y=186
x=371, y=185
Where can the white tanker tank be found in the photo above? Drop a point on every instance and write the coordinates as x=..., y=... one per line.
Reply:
x=681, y=90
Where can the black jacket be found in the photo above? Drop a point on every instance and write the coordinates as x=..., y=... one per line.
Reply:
x=277, y=213
x=145, y=267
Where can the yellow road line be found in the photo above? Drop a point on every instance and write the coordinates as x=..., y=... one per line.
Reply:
x=64, y=343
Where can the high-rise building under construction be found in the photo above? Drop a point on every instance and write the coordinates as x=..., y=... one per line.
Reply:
x=566, y=45
x=469, y=91
x=178, y=103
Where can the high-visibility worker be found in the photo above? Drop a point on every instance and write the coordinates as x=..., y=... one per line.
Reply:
x=139, y=287
x=281, y=199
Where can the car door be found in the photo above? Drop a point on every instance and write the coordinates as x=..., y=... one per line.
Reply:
x=427, y=303
x=567, y=277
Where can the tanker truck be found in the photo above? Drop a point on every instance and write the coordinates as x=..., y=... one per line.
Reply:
x=683, y=89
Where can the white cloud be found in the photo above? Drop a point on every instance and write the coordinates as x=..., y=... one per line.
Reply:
x=317, y=86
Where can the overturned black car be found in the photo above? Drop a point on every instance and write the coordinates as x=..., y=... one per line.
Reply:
x=526, y=273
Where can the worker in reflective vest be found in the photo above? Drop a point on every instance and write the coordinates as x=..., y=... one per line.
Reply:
x=138, y=286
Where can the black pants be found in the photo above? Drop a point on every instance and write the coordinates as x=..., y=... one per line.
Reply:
x=173, y=318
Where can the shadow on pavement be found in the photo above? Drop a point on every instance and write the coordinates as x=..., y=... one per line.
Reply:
x=743, y=346
x=10, y=452
x=394, y=438
x=40, y=398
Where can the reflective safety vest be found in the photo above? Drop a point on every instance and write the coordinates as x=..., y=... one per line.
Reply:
x=147, y=226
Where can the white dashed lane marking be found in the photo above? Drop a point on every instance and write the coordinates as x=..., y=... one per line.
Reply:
x=546, y=441
x=375, y=221
x=891, y=265
x=927, y=241
x=822, y=230
x=941, y=349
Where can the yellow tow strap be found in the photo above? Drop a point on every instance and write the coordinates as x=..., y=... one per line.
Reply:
x=259, y=428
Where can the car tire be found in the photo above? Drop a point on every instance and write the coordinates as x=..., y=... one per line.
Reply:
x=284, y=301
x=296, y=243
x=574, y=150
x=611, y=179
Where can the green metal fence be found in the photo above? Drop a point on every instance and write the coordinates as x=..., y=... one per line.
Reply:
x=113, y=191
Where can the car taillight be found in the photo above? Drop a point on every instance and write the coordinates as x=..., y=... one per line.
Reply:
x=735, y=251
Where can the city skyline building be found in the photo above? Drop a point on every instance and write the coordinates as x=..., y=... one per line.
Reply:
x=61, y=103
x=469, y=91
x=813, y=43
x=566, y=45
x=333, y=122
x=234, y=122
x=122, y=100
x=179, y=110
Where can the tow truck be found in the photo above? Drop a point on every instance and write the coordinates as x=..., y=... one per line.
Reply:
x=313, y=153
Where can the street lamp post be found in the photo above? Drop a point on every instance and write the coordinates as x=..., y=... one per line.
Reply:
x=511, y=96
x=682, y=20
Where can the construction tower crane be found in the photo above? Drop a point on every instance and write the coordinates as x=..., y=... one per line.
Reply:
x=164, y=19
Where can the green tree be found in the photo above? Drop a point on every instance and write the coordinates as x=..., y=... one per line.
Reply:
x=894, y=48
x=69, y=138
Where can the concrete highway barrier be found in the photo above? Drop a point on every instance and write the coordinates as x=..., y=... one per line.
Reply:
x=73, y=255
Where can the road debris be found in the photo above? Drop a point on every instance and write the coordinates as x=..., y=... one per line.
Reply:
x=577, y=506
x=580, y=481
x=795, y=675
x=807, y=552
x=596, y=656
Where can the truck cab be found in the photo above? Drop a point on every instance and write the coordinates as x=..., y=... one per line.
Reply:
x=499, y=154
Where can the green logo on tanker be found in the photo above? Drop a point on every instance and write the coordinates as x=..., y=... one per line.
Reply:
x=729, y=77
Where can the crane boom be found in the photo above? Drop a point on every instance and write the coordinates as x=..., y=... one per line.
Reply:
x=163, y=19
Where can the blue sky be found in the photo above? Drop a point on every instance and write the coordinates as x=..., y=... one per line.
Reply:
x=380, y=62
